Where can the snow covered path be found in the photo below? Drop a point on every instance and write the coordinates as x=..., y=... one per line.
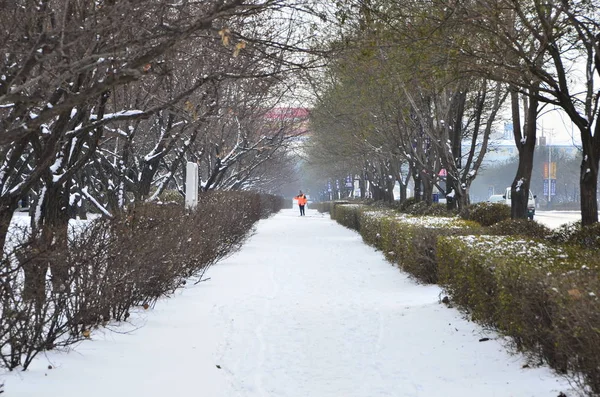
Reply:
x=305, y=309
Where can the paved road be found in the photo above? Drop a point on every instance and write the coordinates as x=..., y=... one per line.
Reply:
x=554, y=219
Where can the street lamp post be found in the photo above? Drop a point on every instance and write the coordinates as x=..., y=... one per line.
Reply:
x=551, y=169
x=549, y=172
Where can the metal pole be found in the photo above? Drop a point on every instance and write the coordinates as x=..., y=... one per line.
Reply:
x=549, y=170
x=550, y=165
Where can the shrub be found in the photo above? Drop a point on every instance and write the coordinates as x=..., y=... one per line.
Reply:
x=537, y=294
x=417, y=208
x=323, y=206
x=111, y=265
x=487, y=214
x=270, y=204
x=404, y=205
x=333, y=207
x=172, y=196
x=440, y=210
x=409, y=242
x=565, y=232
x=520, y=227
x=348, y=215
x=586, y=236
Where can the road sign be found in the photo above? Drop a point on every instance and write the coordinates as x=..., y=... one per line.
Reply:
x=349, y=181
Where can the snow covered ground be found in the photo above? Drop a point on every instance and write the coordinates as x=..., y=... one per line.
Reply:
x=305, y=309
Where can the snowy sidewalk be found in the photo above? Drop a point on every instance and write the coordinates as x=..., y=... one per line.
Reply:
x=305, y=309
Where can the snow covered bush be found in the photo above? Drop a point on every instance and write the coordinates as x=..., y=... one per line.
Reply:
x=575, y=234
x=172, y=197
x=407, y=241
x=337, y=205
x=437, y=210
x=520, y=227
x=586, y=236
x=54, y=298
x=486, y=214
x=323, y=206
x=565, y=232
x=270, y=204
x=404, y=205
x=543, y=296
x=348, y=214
x=34, y=304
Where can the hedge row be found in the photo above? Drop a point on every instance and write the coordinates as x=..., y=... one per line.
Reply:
x=534, y=285
x=544, y=297
x=57, y=296
x=409, y=242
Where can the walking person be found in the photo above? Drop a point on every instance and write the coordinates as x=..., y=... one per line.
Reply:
x=301, y=198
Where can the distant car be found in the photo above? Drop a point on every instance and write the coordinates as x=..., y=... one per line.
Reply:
x=505, y=199
x=496, y=198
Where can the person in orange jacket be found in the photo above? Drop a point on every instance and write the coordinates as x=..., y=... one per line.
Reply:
x=301, y=202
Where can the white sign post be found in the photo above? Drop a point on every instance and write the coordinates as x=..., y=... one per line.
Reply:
x=191, y=185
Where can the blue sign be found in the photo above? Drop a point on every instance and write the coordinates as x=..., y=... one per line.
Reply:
x=349, y=181
x=329, y=186
x=552, y=187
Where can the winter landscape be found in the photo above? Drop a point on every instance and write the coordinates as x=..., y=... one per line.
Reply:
x=304, y=309
x=157, y=158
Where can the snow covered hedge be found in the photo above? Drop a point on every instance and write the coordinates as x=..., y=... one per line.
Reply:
x=545, y=297
x=536, y=286
x=408, y=241
x=487, y=214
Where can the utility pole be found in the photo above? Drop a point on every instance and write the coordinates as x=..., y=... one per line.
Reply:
x=551, y=170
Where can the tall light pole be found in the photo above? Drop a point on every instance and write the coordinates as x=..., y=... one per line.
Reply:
x=550, y=168
x=549, y=171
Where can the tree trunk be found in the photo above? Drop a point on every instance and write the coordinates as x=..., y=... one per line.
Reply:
x=403, y=190
x=8, y=205
x=389, y=191
x=526, y=147
x=148, y=171
x=456, y=137
x=50, y=240
x=417, y=178
x=376, y=192
x=362, y=184
x=462, y=201
x=450, y=187
x=34, y=269
x=427, y=190
x=588, y=189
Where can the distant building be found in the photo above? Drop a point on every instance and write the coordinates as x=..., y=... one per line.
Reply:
x=503, y=147
x=294, y=120
x=287, y=114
